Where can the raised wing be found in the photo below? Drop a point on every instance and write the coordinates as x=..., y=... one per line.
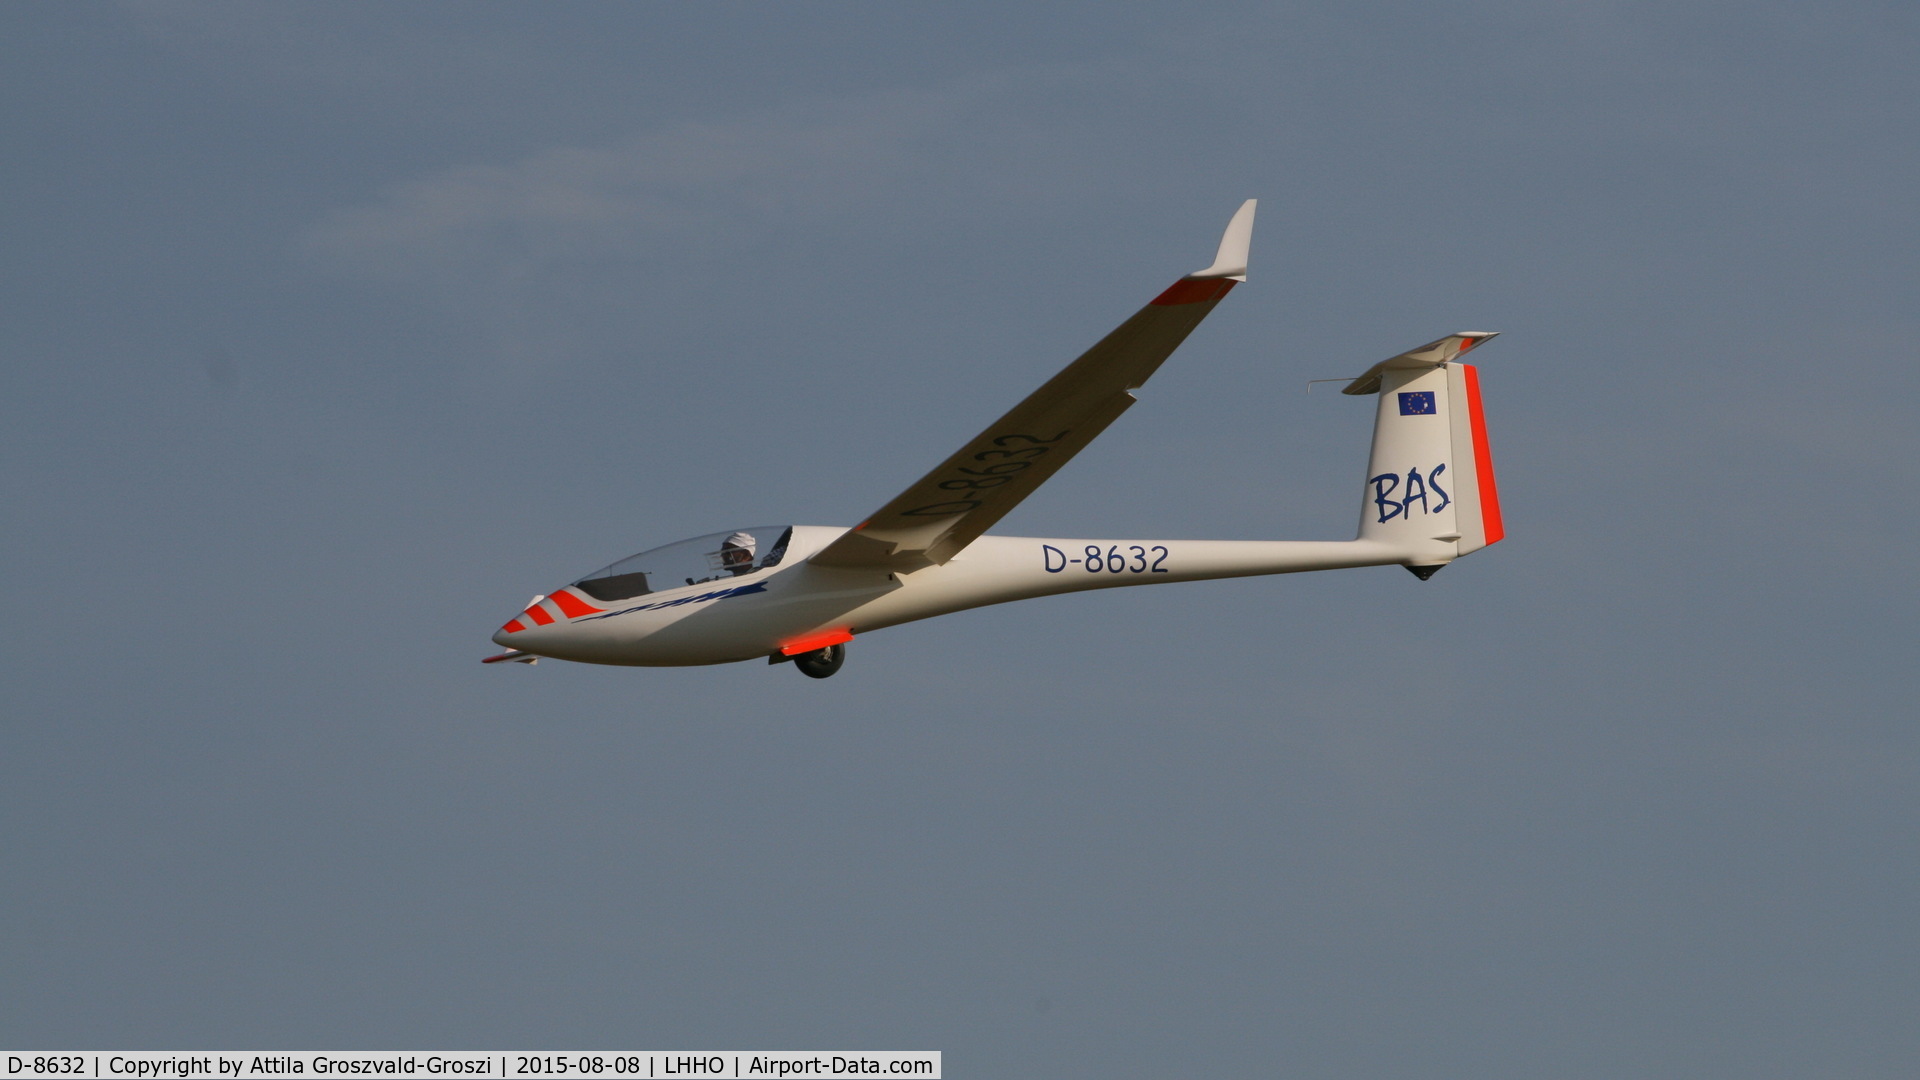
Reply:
x=934, y=519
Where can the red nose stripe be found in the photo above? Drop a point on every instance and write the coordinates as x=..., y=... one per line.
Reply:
x=815, y=641
x=514, y=627
x=538, y=614
x=573, y=605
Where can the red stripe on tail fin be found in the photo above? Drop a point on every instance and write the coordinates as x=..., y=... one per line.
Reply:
x=1482, y=459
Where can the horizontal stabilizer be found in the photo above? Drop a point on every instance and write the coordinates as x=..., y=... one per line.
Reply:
x=1432, y=354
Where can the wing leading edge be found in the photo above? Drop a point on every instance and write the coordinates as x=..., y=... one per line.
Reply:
x=948, y=508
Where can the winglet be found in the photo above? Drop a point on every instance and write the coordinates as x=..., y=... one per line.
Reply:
x=1231, y=260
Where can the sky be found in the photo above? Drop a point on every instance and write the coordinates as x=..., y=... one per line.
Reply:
x=331, y=333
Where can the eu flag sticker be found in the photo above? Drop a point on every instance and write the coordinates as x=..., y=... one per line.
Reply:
x=1417, y=403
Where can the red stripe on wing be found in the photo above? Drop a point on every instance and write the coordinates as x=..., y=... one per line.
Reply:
x=1194, y=291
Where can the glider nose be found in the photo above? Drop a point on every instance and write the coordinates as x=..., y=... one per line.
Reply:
x=525, y=637
x=519, y=631
x=555, y=611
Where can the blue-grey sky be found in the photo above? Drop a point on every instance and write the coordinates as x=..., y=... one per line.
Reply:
x=333, y=332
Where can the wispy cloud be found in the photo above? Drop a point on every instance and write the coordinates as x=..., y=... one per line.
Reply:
x=700, y=189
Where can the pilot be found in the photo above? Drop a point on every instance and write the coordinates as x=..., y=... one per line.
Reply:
x=736, y=554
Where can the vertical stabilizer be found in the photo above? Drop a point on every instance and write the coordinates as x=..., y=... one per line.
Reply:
x=1429, y=488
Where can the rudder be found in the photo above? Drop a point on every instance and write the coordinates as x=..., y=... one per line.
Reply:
x=1478, y=513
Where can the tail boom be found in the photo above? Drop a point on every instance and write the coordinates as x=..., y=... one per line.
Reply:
x=1000, y=569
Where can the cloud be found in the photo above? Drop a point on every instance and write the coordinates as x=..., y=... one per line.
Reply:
x=700, y=190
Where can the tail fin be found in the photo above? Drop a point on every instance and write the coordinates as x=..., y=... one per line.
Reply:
x=1430, y=488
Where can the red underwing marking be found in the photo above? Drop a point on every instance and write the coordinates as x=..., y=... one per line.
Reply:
x=815, y=641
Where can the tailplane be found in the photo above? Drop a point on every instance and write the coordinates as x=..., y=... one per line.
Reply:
x=1430, y=488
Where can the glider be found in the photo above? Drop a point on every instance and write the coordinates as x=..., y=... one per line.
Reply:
x=802, y=592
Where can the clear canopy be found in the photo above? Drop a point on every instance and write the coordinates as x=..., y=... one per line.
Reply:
x=713, y=557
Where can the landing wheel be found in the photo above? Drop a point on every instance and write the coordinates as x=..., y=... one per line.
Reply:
x=821, y=663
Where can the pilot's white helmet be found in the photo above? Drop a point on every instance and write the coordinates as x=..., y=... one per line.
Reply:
x=737, y=550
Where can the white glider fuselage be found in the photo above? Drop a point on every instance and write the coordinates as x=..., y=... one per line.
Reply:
x=760, y=613
x=800, y=593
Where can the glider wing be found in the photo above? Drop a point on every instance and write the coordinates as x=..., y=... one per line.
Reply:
x=930, y=522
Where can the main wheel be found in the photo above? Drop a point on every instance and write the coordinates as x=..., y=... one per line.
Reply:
x=821, y=663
